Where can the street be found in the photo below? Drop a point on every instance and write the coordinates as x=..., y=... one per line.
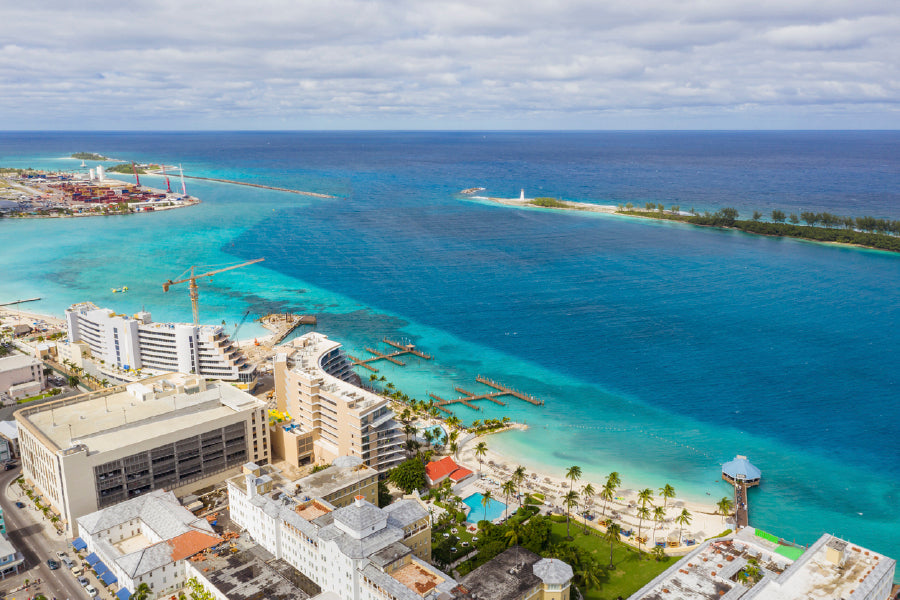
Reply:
x=29, y=538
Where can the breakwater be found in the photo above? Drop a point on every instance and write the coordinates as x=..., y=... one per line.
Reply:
x=258, y=185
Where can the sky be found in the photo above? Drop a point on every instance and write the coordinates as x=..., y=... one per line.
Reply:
x=473, y=65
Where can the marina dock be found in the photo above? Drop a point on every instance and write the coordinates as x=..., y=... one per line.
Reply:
x=741, y=474
x=469, y=398
x=402, y=349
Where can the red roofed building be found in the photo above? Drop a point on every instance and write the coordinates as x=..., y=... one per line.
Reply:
x=437, y=471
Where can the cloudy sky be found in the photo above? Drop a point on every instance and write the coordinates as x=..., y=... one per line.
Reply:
x=457, y=64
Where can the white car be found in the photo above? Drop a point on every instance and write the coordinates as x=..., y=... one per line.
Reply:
x=61, y=554
x=91, y=590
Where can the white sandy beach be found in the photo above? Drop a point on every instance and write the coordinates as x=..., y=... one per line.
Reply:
x=526, y=203
x=496, y=468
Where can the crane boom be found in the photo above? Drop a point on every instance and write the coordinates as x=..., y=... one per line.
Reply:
x=195, y=294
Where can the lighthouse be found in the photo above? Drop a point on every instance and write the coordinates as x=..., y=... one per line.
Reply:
x=522, y=196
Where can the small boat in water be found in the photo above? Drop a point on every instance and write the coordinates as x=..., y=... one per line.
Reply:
x=122, y=289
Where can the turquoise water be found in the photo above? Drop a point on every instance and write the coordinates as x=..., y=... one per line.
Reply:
x=494, y=509
x=661, y=350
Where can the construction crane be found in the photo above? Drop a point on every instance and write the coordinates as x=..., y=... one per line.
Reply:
x=168, y=185
x=195, y=295
x=238, y=327
x=136, y=178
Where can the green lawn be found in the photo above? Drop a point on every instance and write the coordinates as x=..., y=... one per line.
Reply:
x=630, y=572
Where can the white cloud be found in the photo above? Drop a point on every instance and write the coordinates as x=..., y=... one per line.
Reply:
x=409, y=63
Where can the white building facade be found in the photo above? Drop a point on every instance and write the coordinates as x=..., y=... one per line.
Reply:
x=358, y=552
x=146, y=540
x=138, y=343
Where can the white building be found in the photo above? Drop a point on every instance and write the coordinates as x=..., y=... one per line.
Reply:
x=358, y=552
x=176, y=432
x=138, y=343
x=21, y=376
x=144, y=540
x=754, y=565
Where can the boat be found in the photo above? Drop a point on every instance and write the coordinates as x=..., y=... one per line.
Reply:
x=122, y=289
x=83, y=165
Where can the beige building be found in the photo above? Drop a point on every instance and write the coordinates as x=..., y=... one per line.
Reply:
x=332, y=415
x=174, y=432
x=340, y=483
x=21, y=376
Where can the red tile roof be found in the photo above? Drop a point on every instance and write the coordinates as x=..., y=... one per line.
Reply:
x=190, y=543
x=439, y=469
x=460, y=474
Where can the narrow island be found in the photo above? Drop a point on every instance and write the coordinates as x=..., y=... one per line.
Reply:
x=864, y=232
x=89, y=156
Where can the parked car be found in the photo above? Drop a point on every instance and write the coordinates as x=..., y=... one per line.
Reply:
x=52, y=564
x=61, y=554
x=68, y=562
x=20, y=504
x=91, y=590
x=84, y=581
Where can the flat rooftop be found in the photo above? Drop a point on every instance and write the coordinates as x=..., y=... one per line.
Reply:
x=712, y=571
x=507, y=577
x=247, y=575
x=416, y=578
x=118, y=417
x=313, y=510
x=332, y=479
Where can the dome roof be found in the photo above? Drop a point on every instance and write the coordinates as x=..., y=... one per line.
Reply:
x=741, y=468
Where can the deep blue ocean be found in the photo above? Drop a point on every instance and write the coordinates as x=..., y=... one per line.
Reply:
x=661, y=350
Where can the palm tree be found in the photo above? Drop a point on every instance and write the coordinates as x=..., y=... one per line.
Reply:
x=480, y=450
x=659, y=552
x=485, y=501
x=509, y=487
x=587, y=494
x=573, y=474
x=614, y=480
x=454, y=449
x=428, y=434
x=607, y=494
x=453, y=421
x=643, y=513
x=725, y=505
x=659, y=515
x=519, y=477
x=590, y=574
x=683, y=519
x=667, y=491
x=645, y=496
x=613, y=534
x=570, y=500
x=142, y=592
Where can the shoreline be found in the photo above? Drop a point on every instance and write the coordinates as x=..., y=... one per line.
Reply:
x=571, y=206
x=494, y=466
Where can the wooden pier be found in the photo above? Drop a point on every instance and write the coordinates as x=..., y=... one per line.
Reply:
x=468, y=398
x=392, y=356
x=509, y=391
x=741, y=508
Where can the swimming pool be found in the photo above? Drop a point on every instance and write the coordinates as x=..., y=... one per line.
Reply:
x=495, y=508
x=435, y=430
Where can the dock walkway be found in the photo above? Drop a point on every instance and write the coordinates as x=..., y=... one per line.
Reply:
x=392, y=356
x=741, y=508
x=468, y=398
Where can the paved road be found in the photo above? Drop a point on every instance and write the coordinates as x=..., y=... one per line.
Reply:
x=28, y=538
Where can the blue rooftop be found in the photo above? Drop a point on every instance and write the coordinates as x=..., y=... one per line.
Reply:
x=741, y=468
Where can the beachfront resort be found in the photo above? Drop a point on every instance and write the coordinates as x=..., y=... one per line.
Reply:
x=335, y=488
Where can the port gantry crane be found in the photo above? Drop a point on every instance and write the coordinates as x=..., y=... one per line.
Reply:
x=195, y=295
